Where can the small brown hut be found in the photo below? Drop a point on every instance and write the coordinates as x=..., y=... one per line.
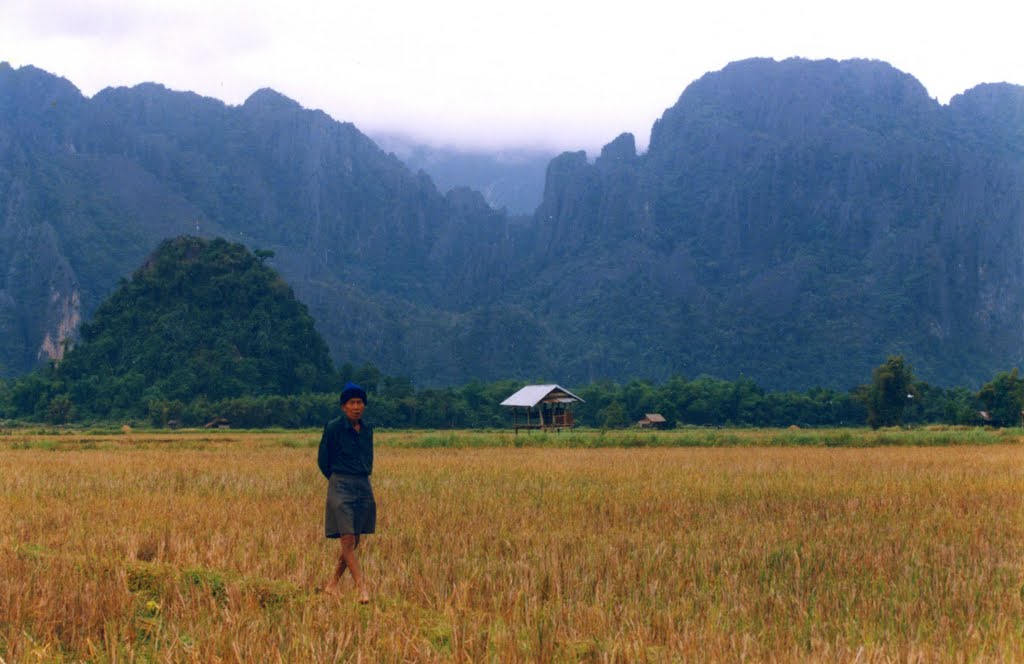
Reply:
x=652, y=421
x=542, y=407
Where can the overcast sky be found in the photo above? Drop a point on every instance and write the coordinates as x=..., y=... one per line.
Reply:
x=564, y=74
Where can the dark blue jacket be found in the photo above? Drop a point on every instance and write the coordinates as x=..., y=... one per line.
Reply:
x=344, y=450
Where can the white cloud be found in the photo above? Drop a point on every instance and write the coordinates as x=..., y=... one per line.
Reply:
x=572, y=74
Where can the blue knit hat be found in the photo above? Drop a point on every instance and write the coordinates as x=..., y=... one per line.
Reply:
x=352, y=391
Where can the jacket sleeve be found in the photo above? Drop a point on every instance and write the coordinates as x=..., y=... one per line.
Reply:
x=323, y=457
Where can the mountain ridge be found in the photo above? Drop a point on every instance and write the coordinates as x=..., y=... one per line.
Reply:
x=782, y=210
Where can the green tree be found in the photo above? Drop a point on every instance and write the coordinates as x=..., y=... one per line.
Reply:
x=613, y=416
x=60, y=409
x=960, y=406
x=30, y=395
x=1003, y=398
x=367, y=377
x=596, y=397
x=639, y=397
x=892, y=386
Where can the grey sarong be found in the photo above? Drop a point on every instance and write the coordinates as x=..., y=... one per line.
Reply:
x=351, y=508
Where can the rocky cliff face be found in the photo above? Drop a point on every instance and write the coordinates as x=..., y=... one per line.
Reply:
x=786, y=210
x=794, y=222
x=91, y=186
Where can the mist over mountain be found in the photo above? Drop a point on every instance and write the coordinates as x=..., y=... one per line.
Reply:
x=793, y=222
x=512, y=179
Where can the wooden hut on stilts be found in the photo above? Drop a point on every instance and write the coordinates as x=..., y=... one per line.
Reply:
x=542, y=407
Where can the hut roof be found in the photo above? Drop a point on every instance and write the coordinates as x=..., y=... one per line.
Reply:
x=531, y=395
x=654, y=417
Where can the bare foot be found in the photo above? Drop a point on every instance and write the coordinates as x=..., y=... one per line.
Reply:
x=331, y=588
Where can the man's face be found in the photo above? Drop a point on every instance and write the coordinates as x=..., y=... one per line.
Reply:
x=353, y=409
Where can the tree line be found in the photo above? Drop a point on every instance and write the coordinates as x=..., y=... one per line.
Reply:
x=893, y=397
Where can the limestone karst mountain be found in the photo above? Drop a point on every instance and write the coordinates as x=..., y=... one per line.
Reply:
x=793, y=222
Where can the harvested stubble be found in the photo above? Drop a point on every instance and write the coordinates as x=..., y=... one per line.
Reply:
x=176, y=551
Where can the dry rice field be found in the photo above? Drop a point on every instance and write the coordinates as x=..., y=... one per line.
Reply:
x=207, y=547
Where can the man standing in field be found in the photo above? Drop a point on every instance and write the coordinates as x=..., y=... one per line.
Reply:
x=346, y=460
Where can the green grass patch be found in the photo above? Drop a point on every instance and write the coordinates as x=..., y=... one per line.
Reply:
x=700, y=437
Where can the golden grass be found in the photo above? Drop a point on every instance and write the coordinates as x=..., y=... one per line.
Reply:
x=208, y=547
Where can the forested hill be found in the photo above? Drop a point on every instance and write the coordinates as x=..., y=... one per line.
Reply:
x=198, y=318
x=793, y=222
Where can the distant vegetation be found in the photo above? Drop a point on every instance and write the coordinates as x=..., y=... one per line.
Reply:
x=394, y=402
x=206, y=332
